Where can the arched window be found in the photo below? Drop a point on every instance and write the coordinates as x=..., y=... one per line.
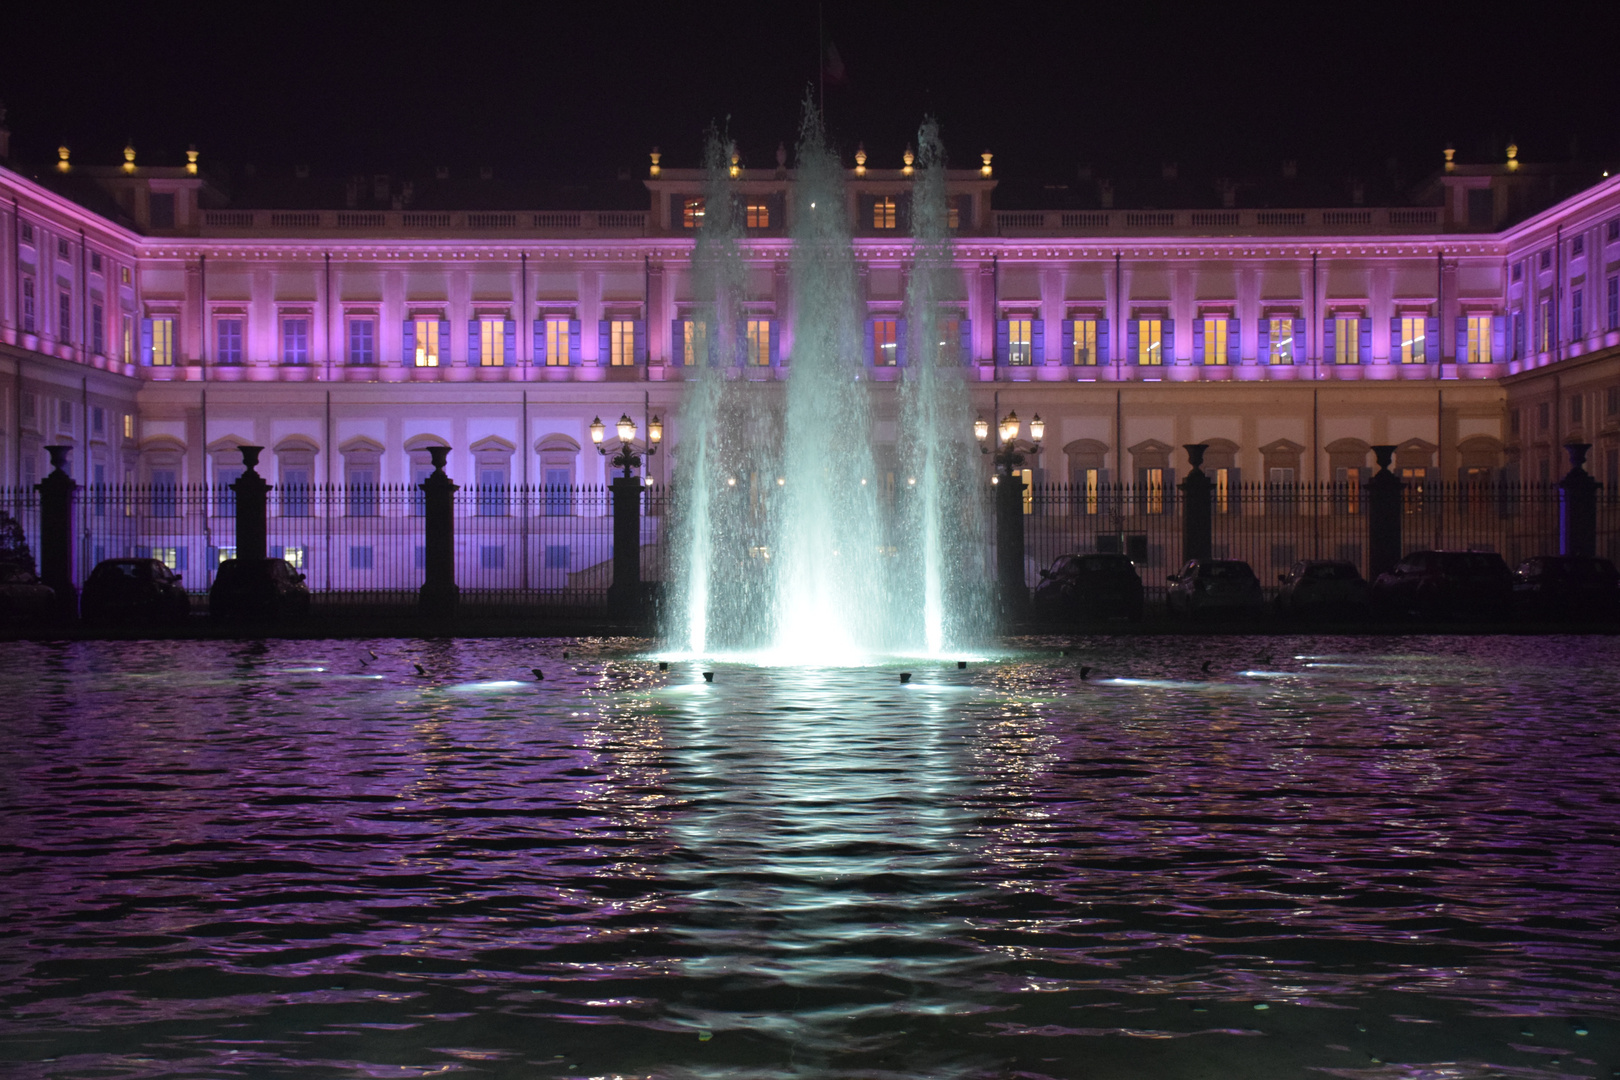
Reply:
x=362, y=473
x=492, y=463
x=295, y=472
x=559, y=463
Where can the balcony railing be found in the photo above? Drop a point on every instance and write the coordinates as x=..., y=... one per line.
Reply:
x=435, y=222
x=1419, y=219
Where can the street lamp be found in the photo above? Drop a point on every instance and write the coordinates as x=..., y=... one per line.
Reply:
x=627, y=457
x=1006, y=456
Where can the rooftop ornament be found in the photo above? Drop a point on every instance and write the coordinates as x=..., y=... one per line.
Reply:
x=984, y=170
x=655, y=155
x=129, y=157
x=62, y=159
x=910, y=158
x=1450, y=152
x=1513, y=157
x=191, y=159
x=736, y=165
x=860, y=159
x=627, y=457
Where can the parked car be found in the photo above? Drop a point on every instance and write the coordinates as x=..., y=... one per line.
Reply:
x=1567, y=585
x=1209, y=586
x=1323, y=587
x=1446, y=584
x=1089, y=587
x=22, y=594
x=270, y=592
x=134, y=591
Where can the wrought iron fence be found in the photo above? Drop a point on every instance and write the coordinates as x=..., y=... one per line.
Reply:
x=357, y=546
x=1271, y=526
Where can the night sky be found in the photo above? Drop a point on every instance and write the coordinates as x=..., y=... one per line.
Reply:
x=574, y=96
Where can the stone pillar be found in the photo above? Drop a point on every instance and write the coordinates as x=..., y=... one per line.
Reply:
x=1577, y=505
x=439, y=594
x=1383, y=515
x=1010, y=545
x=624, y=594
x=252, y=508
x=56, y=533
x=1197, y=519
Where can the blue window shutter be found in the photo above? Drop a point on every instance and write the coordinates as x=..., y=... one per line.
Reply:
x=444, y=342
x=899, y=342
x=1302, y=352
x=1105, y=347
x=964, y=330
x=639, y=336
x=677, y=342
x=1364, y=346
x=1262, y=341
x=871, y=342
x=1037, y=341
x=408, y=343
x=509, y=337
x=1431, y=340
x=1234, y=341
x=775, y=344
x=1198, y=342
x=1167, y=348
x=1498, y=338
x=1459, y=344
x=604, y=342
x=474, y=344
x=538, y=356
x=1395, y=339
x=574, y=336
x=1003, y=341
x=1068, y=341
x=739, y=357
x=146, y=341
x=1330, y=340
x=1133, y=340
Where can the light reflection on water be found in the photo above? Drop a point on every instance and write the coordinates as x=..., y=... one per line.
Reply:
x=1348, y=857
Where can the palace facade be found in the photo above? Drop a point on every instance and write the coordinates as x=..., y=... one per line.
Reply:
x=153, y=325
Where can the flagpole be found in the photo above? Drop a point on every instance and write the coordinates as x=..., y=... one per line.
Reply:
x=821, y=60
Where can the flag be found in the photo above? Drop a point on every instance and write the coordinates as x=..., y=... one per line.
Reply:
x=832, y=65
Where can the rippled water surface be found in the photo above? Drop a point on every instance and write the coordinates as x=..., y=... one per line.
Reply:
x=1322, y=857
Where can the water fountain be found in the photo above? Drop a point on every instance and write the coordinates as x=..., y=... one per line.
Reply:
x=789, y=541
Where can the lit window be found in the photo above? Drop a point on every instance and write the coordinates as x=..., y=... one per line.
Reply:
x=129, y=425
x=1479, y=339
x=1215, y=329
x=691, y=213
x=129, y=338
x=1093, y=486
x=694, y=341
x=1223, y=490
x=427, y=341
x=1417, y=480
x=950, y=341
x=491, y=342
x=885, y=337
x=1155, y=490
x=1346, y=340
x=1280, y=344
x=759, y=343
x=1414, y=346
x=1544, y=326
x=1085, y=343
x=759, y=215
x=883, y=213
x=124, y=275
x=622, y=342
x=230, y=341
x=163, y=342
x=1149, y=342
x=557, y=338
x=362, y=341
x=295, y=341
x=1020, y=334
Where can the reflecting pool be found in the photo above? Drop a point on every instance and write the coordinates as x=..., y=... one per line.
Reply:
x=1350, y=857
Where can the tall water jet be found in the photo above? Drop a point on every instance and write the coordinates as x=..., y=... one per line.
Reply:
x=830, y=567
x=941, y=512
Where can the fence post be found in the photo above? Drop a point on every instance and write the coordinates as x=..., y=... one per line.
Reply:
x=1383, y=515
x=252, y=509
x=56, y=533
x=439, y=594
x=624, y=593
x=1577, y=505
x=1010, y=544
x=1196, y=519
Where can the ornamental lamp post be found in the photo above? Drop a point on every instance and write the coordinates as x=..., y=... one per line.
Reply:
x=624, y=594
x=1009, y=505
